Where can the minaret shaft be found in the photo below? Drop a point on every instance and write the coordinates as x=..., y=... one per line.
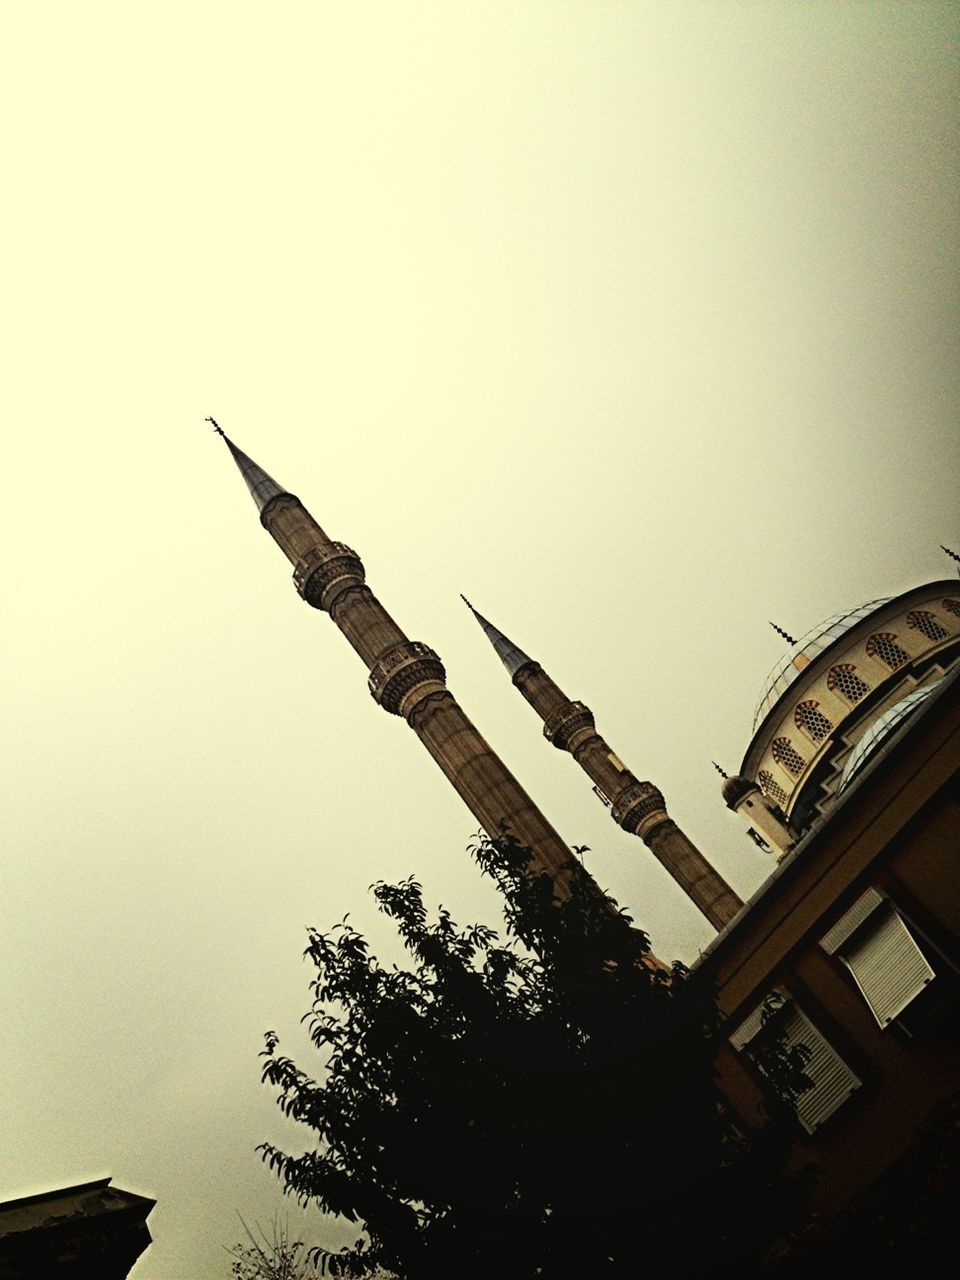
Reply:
x=636, y=806
x=483, y=782
x=407, y=678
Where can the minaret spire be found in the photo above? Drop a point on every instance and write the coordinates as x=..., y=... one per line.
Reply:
x=780, y=632
x=508, y=653
x=262, y=487
x=638, y=807
x=407, y=678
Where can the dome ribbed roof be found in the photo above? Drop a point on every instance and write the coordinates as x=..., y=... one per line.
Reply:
x=809, y=647
x=881, y=729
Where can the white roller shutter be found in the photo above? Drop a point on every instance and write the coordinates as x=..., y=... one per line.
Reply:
x=887, y=966
x=861, y=910
x=879, y=950
x=833, y=1081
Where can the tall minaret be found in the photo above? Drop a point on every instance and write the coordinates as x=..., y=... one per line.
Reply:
x=405, y=677
x=637, y=806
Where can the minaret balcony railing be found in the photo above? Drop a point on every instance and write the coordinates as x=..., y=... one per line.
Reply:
x=401, y=670
x=637, y=802
x=323, y=567
x=567, y=723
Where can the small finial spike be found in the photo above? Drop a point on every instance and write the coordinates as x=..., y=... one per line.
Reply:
x=216, y=426
x=780, y=632
x=722, y=772
x=467, y=603
x=952, y=554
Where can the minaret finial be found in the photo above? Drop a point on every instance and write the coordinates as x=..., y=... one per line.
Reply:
x=513, y=659
x=722, y=772
x=952, y=554
x=217, y=427
x=780, y=632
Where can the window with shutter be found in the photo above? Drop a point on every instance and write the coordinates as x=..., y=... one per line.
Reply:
x=833, y=1081
x=877, y=947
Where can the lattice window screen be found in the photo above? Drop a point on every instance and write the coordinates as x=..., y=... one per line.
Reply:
x=844, y=680
x=884, y=646
x=785, y=753
x=924, y=621
x=770, y=787
x=811, y=720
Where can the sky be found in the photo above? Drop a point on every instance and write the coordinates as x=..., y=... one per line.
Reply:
x=634, y=322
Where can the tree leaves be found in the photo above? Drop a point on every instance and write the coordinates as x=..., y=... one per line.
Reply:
x=530, y=1106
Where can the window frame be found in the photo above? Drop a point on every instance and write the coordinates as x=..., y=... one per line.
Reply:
x=837, y=1082
x=877, y=947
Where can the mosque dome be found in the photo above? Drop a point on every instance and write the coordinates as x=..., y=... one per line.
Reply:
x=837, y=692
x=881, y=729
x=800, y=655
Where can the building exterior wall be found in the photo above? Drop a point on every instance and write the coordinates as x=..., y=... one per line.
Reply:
x=896, y=830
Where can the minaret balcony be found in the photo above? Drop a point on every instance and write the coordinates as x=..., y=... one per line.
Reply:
x=323, y=572
x=568, y=725
x=636, y=804
x=405, y=674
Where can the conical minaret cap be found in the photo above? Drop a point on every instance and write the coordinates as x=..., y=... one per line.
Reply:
x=262, y=487
x=511, y=657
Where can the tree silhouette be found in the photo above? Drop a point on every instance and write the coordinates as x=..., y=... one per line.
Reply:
x=274, y=1257
x=539, y=1107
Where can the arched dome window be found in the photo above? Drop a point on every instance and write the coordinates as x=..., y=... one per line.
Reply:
x=811, y=720
x=843, y=679
x=923, y=620
x=952, y=606
x=771, y=788
x=786, y=754
x=884, y=646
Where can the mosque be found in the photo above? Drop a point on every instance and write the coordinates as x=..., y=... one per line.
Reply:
x=850, y=784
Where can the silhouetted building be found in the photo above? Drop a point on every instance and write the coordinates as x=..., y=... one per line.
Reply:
x=88, y=1232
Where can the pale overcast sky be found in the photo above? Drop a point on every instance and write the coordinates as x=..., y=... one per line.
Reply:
x=635, y=322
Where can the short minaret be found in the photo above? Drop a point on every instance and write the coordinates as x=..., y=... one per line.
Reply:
x=636, y=806
x=405, y=677
x=763, y=826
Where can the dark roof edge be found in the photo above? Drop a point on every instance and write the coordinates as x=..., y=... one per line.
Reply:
x=97, y=1185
